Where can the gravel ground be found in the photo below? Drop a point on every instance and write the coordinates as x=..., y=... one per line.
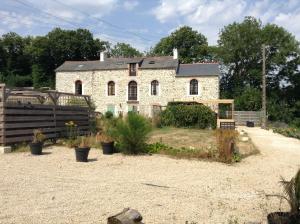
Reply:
x=53, y=188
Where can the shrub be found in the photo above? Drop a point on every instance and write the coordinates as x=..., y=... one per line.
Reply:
x=288, y=132
x=226, y=142
x=131, y=133
x=196, y=116
x=108, y=114
x=71, y=130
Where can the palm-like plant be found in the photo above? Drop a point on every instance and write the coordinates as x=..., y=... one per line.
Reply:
x=131, y=133
x=292, y=192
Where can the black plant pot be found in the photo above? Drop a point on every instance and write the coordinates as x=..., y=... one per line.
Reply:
x=82, y=154
x=283, y=218
x=250, y=124
x=36, y=148
x=108, y=148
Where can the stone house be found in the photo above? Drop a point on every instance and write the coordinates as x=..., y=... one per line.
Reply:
x=142, y=84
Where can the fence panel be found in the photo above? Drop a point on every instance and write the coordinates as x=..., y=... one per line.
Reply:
x=241, y=117
x=23, y=111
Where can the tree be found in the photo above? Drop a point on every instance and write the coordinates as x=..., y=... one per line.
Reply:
x=50, y=51
x=240, y=51
x=124, y=50
x=192, y=46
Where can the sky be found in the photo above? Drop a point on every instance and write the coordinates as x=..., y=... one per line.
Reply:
x=142, y=23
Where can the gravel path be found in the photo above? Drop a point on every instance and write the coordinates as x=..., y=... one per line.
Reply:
x=52, y=188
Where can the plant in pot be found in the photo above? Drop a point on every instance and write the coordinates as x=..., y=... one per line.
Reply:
x=36, y=146
x=82, y=149
x=107, y=143
x=292, y=196
x=104, y=136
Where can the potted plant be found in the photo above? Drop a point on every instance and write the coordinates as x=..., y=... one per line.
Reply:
x=36, y=146
x=82, y=150
x=292, y=196
x=107, y=143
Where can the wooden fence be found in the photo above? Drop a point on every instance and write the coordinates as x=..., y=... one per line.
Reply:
x=241, y=117
x=23, y=110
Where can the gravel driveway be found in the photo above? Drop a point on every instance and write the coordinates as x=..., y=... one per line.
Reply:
x=52, y=188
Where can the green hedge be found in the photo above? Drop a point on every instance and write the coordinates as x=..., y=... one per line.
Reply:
x=193, y=116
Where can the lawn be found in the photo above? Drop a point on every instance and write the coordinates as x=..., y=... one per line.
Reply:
x=196, y=139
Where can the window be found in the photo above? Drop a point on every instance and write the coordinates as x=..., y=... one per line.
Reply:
x=132, y=90
x=132, y=69
x=193, y=87
x=111, y=108
x=111, y=88
x=78, y=87
x=154, y=87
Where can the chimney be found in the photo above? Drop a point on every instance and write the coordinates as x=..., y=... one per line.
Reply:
x=175, y=53
x=101, y=56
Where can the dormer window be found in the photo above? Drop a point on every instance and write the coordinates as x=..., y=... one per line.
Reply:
x=132, y=69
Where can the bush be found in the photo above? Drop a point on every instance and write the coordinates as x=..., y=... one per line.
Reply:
x=196, y=116
x=108, y=114
x=288, y=132
x=226, y=143
x=131, y=133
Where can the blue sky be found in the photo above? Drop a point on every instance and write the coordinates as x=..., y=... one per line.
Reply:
x=142, y=22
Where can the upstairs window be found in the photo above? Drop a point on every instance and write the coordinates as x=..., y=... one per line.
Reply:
x=154, y=87
x=193, y=87
x=78, y=87
x=132, y=90
x=111, y=88
x=132, y=69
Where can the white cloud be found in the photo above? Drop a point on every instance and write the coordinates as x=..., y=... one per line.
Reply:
x=208, y=17
x=130, y=4
x=14, y=20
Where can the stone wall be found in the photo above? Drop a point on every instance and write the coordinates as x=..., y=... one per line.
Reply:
x=171, y=88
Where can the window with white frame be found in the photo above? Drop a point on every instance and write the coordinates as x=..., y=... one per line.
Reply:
x=154, y=87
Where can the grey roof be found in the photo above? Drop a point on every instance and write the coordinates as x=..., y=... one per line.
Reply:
x=159, y=62
x=119, y=63
x=198, y=69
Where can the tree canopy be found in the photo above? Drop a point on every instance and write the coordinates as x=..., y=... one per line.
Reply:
x=124, y=50
x=192, y=45
x=240, y=49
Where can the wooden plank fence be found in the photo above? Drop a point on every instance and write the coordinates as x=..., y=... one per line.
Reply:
x=22, y=111
x=241, y=117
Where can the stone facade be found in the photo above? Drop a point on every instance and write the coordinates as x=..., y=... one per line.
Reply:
x=171, y=88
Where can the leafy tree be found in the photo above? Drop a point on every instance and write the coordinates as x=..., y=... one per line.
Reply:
x=192, y=46
x=250, y=99
x=240, y=48
x=124, y=50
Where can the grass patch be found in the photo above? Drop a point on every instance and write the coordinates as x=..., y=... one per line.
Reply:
x=22, y=147
x=194, y=144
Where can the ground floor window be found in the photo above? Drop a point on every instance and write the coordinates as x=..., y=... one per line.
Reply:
x=111, y=108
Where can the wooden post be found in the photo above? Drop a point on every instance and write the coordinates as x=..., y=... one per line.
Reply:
x=2, y=111
x=264, y=113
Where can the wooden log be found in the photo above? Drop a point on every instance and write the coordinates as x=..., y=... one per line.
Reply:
x=127, y=216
